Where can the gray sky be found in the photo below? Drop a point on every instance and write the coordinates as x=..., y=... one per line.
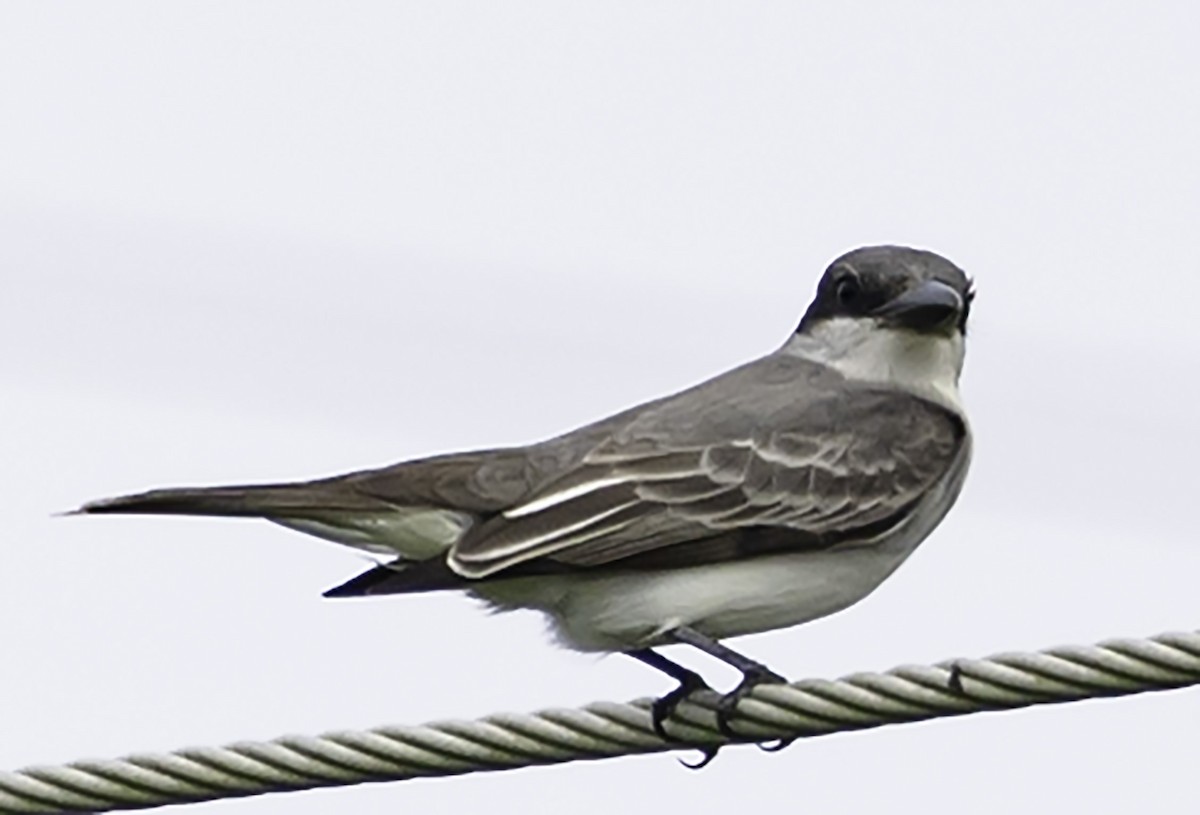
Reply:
x=261, y=241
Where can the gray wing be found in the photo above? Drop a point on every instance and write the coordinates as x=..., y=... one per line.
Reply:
x=821, y=462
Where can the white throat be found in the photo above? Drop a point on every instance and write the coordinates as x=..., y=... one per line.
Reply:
x=860, y=349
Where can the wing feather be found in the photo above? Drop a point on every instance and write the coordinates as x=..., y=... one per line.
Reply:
x=854, y=459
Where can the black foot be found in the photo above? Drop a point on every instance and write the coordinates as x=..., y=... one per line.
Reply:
x=753, y=676
x=753, y=673
x=689, y=682
x=663, y=708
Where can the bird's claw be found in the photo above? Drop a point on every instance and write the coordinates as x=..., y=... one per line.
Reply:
x=664, y=707
x=707, y=754
x=728, y=703
x=775, y=747
x=690, y=682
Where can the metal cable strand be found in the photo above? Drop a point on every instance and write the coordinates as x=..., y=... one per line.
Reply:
x=810, y=707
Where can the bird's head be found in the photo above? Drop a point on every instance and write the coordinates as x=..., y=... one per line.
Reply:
x=893, y=287
x=893, y=316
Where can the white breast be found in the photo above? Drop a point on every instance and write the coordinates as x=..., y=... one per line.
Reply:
x=928, y=365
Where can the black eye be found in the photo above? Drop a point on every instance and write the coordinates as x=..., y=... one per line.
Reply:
x=847, y=290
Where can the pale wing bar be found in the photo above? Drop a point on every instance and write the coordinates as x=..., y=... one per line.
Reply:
x=594, y=502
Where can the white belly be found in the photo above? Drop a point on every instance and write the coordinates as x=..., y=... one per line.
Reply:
x=636, y=610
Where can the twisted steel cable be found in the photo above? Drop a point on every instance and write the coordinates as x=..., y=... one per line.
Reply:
x=807, y=708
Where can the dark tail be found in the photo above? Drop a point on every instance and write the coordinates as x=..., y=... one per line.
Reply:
x=266, y=500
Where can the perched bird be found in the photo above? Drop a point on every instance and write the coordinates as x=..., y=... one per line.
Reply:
x=781, y=491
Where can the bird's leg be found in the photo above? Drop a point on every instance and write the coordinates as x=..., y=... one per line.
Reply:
x=689, y=681
x=753, y=673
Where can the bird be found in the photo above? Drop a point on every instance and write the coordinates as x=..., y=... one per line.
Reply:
x=774, y=494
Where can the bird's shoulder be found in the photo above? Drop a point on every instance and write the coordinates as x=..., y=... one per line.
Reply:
x=778, y=397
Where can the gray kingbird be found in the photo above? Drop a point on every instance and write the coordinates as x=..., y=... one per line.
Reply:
x=781, y=491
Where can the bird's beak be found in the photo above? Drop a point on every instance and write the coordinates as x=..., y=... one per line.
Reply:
x=931, y=306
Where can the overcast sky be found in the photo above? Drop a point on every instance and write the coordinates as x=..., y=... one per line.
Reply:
x=246, y=241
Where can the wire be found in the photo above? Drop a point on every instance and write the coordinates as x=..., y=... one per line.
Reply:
x=803, y=709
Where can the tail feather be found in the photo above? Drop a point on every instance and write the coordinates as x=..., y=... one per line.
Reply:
x=246, y=501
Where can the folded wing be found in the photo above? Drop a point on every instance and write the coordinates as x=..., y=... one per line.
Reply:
x=823, y=468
